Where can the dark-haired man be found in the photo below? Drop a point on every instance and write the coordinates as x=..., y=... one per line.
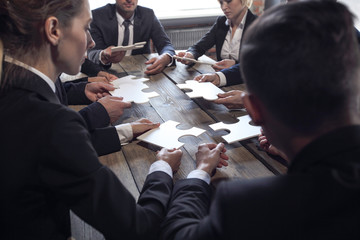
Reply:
x=306, y=98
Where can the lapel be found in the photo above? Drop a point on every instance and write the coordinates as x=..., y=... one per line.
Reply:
x=250, y=17
x=137, y=25
x=221, y=35
x=113, y=29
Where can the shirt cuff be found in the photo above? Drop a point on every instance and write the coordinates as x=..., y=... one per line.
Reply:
x=172, y=60
x=108, y=64
x=161, y=166
x=200, y=174
x=124, y=132
x=222, y=79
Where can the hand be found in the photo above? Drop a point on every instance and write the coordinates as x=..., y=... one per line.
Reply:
x=208, y=77
x=157, y=64
x=172, y=157
x=108, y=57
x=97, y=79
x=231, y=99
x=226, y=63
x=209, y=156
x=96, y=90
x=109, y=77
x=114, y=106
x=142, y=125
x=269, y=148
x=186, y=55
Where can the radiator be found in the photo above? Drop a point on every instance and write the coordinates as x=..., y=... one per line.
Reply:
x=182, y=39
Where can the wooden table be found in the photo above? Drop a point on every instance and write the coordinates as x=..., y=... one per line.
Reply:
x=131, y=164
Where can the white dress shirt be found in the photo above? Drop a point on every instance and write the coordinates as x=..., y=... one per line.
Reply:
x=231, y=47
x=121, y=29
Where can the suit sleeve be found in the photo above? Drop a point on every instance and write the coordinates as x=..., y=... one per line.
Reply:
x=75, y=92
x=71, y=169
x=190, y=215
x=233, y=75
x=160, y=38
x=103, y=31
x=90, y=68
x=96, y=34
x=205, y=43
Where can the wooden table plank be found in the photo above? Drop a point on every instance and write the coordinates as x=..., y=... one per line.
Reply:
x=221, y=114
x=179, y=107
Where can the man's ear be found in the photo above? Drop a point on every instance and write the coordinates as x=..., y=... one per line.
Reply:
x=253, y=107
x=52, y=30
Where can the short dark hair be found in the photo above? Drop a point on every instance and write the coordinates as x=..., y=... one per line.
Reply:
x=302, y=60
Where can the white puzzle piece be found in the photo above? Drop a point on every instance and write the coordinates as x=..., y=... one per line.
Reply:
x=128, y=47
x=194, y=60
x=206, y=90
x=167, y=135
x=130, y=88
x=238, y=131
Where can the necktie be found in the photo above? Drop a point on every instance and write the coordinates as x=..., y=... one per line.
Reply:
x=126, y=24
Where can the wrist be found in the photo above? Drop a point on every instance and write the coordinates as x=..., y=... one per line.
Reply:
x=205, y=167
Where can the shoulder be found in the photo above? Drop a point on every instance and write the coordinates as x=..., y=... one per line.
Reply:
x=221, y=20
x=107, y=9
x=250, y=16
x=144, y=11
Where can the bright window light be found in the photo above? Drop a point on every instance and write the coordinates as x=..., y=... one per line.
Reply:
x=173, y=8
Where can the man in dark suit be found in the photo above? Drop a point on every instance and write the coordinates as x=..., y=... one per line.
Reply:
x=305, y=98
x=142, y=26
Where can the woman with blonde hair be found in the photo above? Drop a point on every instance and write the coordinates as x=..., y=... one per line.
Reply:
x=226, y=34
x=48, y=164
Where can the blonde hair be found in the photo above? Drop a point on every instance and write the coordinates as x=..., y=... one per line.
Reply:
x=247, y=3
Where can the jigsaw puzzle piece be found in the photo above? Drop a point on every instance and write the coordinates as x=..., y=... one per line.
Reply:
x=206, y=90
x=238, y=131
x=130, y=88
x=167, y=135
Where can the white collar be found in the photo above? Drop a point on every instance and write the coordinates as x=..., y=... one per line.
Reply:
x=120, y=19
x=35, y=71
x=242, y=23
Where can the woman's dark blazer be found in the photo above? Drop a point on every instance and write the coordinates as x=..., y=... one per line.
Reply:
x=49, y=166
x=216, y=36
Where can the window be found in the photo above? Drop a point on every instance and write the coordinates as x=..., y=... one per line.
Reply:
x=166, y=9
x=354, y=6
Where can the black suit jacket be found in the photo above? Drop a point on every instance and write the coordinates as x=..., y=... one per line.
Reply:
x=216, y=36
x=104, y=31
x=49, y=166
x=103, y=136
x=317, y=199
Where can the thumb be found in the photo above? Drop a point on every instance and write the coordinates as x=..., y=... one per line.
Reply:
x=220, y=148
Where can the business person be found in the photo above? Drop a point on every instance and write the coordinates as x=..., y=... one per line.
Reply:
x=125, y=23
x=226, y=34
x=304, y=99
x=48, y=164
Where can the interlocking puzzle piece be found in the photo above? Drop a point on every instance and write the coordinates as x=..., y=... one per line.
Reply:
x=238, y=131
x=194, y=60
x=167, y=135
x=206, y=90
x=128, y=47
x=130, y=88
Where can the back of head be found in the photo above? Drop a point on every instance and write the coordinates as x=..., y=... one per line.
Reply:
x=22, y=31
x=302, y=61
